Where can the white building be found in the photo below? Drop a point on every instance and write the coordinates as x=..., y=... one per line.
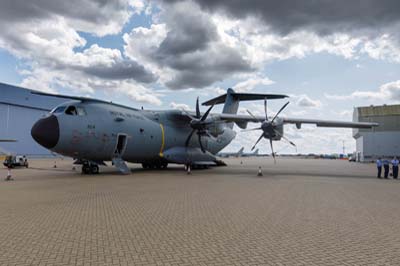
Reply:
x=19, y=110
x=382, y=141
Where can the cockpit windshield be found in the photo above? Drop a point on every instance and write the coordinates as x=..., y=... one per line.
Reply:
x=75, y=110
x=69, y=110
x=58, y=110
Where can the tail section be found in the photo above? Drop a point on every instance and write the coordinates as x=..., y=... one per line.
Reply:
x=240, y=152
x=231, y=104
x=231, y=100
x=255, y=152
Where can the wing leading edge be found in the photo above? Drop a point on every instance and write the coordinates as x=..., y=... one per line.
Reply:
x=329, y=123
x=240, y=119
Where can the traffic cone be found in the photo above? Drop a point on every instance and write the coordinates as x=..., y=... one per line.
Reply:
x=55, y=164
x=259, y=171
x=189, y=170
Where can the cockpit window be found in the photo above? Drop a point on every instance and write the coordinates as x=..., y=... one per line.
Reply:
x=58, y=110
x=81, y=111
x=72, y=110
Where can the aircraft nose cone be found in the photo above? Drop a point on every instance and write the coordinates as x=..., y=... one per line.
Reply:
x=46, y=132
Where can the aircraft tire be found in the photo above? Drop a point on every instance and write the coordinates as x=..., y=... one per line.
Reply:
x=85, y=169
x=94, y=169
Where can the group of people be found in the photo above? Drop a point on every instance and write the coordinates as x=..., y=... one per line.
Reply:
x=385, y=164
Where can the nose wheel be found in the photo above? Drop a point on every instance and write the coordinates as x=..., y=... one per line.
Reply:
x=89, y=168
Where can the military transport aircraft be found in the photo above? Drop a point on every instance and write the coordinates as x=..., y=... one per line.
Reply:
x=239, y=153
x=250, y=154
x=93, y=131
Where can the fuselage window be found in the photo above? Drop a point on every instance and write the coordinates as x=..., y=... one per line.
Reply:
x=71, y=110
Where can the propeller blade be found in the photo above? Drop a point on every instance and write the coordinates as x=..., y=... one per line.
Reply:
x=251, y=114
x=285, y=138
x=198, y=115
x=262, y=135
x=272, y=149
x=204, y=117
x=265, y=109
x=251, y=129
x=189, y=137
x=280, y=110
x=201, y=144
x=187, y=113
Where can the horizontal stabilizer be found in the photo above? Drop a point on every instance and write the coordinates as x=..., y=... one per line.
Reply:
x=244, y=97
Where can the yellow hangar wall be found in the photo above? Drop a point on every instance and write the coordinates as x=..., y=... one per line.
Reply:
x=382, y=141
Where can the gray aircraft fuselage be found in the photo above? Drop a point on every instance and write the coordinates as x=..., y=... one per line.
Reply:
x=92, y=130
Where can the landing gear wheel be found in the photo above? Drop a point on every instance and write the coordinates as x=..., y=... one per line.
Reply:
x=85, y=169
x=94, y=169
x=145, y=166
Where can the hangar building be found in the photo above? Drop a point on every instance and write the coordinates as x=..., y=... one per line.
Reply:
x=19, y=110
x=382, y=141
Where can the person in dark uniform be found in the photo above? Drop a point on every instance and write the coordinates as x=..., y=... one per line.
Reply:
x=379, y=166
x=386, y=168
x=395, y=167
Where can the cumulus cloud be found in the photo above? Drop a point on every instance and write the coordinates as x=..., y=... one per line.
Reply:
x=188, y=44
x=45, y=34
x=322, y=17
x=251, y=83
x=387, y=92
x=304, y=101
x=95, y=16
x=179, y=106
x=270, y=30
x=186, y=48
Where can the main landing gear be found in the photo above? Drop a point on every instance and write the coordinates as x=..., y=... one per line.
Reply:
x=90, y=168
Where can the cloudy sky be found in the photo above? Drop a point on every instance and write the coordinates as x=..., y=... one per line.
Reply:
x=328, y=55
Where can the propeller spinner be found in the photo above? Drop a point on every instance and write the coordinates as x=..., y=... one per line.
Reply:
x=269, y=128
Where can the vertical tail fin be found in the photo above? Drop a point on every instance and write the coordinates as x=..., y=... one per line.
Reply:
x=231, y=101
x=240, y=152
x=231, y=105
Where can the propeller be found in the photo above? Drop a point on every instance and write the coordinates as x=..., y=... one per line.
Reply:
x=269, y=128
x=199, y=125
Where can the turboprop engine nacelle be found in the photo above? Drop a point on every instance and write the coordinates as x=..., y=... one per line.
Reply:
x=217, y=129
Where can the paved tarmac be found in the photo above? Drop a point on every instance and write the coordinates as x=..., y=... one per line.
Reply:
x=300, y=212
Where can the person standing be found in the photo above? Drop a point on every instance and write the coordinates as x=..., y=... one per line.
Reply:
x=379, y=166
x=395, y=167
x=386, y=168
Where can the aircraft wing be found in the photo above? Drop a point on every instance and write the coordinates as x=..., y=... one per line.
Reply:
x=329, y=123
x=241, y=120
